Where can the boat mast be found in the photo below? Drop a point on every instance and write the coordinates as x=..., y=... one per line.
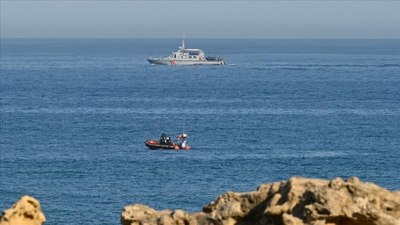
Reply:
x=183, y=44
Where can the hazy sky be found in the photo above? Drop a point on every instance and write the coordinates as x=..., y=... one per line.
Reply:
x=199, y=19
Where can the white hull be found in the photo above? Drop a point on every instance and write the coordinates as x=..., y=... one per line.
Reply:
x=184, y=62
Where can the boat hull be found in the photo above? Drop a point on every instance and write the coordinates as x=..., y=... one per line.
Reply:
x=155, y=145
x=184, y=62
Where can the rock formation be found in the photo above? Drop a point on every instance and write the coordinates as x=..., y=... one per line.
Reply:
x=26, y=211
x=298, y=201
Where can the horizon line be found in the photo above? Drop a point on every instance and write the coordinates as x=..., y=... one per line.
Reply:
x=221, y=38
x=199, y=0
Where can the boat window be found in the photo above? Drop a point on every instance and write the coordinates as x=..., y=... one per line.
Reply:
x=174, y=55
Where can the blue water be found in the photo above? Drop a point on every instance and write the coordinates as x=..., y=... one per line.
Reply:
x=75, y=114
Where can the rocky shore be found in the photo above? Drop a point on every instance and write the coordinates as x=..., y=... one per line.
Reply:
x=26, y=211
x=298, y=201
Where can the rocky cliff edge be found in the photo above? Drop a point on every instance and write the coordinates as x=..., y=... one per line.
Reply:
x=298, y=201
x=26, y=211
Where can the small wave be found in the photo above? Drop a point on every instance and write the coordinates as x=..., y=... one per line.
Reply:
x=203, y=111
x=314, y=154
x=313, y=66
x=268, y=155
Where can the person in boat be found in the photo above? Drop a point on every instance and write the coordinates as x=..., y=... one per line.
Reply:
x=168, y=140
x=165, y=139
x=181, y=140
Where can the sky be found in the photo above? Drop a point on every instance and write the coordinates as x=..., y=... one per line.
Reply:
x=200, y=19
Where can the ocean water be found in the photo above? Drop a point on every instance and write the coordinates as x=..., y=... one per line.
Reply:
x=75, y=114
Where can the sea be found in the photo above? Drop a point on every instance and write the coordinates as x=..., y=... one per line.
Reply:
x=75, y=114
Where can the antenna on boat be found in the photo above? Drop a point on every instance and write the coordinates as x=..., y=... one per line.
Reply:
x=183, y=126
x=183, y=42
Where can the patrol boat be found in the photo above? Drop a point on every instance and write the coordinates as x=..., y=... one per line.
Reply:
x=187, y=56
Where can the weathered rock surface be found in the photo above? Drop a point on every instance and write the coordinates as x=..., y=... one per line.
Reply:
x=298, y=201
x=26, y=211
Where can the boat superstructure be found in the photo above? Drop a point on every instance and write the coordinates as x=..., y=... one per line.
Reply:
x=187, y=56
